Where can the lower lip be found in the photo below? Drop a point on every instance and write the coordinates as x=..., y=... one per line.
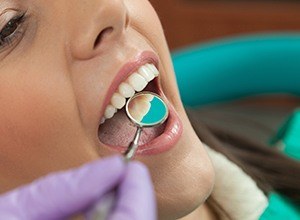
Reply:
x=163, y=142
x=167, y=139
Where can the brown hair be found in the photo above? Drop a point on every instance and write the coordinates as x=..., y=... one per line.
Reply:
x=272, y=170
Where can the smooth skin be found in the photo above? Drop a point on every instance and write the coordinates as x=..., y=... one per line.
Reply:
x=54, y=76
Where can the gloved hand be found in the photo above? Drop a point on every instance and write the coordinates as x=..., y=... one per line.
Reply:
x=63, y=194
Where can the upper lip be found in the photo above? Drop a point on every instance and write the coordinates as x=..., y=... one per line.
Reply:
x=126, y=70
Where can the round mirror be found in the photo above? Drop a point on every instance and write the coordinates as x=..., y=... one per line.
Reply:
x=147, y=109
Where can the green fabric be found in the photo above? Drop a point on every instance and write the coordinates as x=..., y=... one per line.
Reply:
x=289, y=136
x=280, y=208
x=238, y=67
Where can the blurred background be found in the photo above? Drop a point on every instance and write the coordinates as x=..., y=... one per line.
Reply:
x=253, y=88
x=190, y=21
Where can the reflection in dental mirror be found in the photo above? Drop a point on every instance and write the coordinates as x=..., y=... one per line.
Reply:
x=145, y=109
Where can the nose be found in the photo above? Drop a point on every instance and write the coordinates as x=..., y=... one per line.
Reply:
x=96, y=25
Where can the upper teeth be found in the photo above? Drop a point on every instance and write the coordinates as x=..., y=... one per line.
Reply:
x=136, y=82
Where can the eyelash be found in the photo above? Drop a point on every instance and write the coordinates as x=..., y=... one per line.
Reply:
x=16, y=22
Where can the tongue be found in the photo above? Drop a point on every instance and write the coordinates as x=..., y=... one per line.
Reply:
x=119, y=131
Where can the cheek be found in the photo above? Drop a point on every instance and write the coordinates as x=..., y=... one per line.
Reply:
x=33, y=104
x=40, y=126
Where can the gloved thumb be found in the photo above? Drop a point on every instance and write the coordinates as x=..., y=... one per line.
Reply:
x=62, y=194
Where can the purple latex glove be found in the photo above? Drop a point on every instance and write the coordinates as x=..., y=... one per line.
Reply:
x=63, y=194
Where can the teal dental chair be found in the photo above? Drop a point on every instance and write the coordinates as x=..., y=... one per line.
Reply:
x=244, y=66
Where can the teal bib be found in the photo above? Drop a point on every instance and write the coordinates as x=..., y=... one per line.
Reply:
x=288, y=139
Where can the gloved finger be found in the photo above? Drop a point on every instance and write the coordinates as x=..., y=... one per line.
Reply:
x=62, y=194
x=135, y=196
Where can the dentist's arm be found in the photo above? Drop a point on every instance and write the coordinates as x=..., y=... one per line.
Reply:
x=63, y=194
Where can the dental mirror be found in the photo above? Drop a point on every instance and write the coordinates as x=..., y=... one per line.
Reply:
x=144, y=109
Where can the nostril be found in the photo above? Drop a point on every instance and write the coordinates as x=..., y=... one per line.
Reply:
x=102, y=35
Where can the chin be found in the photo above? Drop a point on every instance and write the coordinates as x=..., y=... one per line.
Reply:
x=183, y=176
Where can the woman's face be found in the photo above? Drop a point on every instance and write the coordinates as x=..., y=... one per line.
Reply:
x=60, y=62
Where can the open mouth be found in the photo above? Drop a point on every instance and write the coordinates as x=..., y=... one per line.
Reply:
x=115, y=129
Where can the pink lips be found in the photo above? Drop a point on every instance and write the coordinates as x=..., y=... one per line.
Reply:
x=174, y=127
